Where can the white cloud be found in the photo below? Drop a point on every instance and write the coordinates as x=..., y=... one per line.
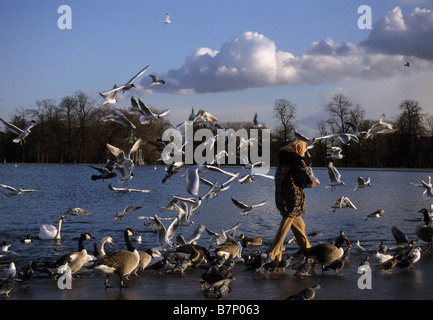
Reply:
x=397, y=34
x=252, y=60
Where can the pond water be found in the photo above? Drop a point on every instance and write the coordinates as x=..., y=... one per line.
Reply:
x=63, y=186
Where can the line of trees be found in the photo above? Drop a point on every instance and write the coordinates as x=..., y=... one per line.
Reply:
x=409, y=146
x=73, y=131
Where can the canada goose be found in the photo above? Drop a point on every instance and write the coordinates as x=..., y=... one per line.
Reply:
x=324, y=252
x=120, y=262
x=425, y=231
x=145, y=259
x=48, y=231
x=76, y=259
x=252, y=241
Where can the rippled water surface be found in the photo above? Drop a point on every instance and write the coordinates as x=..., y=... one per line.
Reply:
x=64, y=186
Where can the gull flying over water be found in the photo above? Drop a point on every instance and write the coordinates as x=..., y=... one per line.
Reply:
x=129, y=190
x=334, y=177
x=247, y=208
x=107, y=172
x=77, y=212
x=124, y=164
x=376, y=214
x=249, y=178
x=122, y=159
x=127, y=85
x=21, y=133
x=15, y=192
x=164, y=235
x=193, y=179
x=428, y=188
x=216, y=187
x=129, y=208
x=220, y=238
x=342, y=203
x=362, y=183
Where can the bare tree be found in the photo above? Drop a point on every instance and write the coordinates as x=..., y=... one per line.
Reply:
x=410, y=128
x=284, y=112
x=339, y=109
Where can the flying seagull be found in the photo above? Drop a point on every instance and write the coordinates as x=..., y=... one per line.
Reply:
x=145, y=113
x=334, y=177
x=362, y=183
x=77, y=212
x=342, y=203
x=193, y=179
x=129, y=208
x=110, y=97
x=428, y=188
x=247, y=208
x=14, y=192
x=167, y=18
x=380, y=127
x=129, y=190
x=21, y=133
x=127, y=85
x=118, y=117
x=155, y=80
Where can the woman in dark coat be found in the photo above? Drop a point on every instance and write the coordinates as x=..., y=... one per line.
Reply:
x=291, y=177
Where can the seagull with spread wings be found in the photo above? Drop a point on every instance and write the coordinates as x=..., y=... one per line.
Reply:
x=145, y=113
x=21, y=133
x=155, y=80
x=193, y=178
x=379, y=127
x=127, y=85
x=129, y=190
x=334, y=177
x=247, y=208
x=15, y=192
x=118, y=117
x=129, y=208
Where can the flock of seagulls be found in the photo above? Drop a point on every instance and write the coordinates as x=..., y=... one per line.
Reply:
x=175, y=253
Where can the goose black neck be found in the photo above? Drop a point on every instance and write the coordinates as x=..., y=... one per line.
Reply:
x=426, y=217
x=81, y=242
x=128, y=242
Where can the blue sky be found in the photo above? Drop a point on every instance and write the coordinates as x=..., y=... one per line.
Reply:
x=231, y=58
